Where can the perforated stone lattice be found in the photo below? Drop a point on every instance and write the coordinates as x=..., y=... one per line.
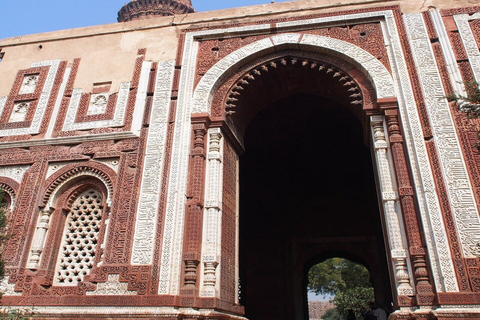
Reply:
x=80, y=237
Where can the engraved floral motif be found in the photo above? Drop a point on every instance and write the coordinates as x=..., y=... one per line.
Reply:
x=98, y=104
x=29, y=84
x=19, y=112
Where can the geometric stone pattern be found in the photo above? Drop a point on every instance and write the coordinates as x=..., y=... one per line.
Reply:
x=459, y=188
x=41, y=103
x=118, y=119
x=80, y=238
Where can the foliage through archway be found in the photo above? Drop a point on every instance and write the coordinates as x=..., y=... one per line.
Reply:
x=347, y=281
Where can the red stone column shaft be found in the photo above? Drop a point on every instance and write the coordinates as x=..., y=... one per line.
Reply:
x=424, y=288
x=194, y=206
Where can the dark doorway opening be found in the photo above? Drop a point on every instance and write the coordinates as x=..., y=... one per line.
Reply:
x=307, y=189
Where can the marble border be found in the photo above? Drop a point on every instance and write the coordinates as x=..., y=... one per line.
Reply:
x=147, y=210
x=453, y=165
x=469, y=42
x=3, y=101
x=58, y=103
x=448, y=53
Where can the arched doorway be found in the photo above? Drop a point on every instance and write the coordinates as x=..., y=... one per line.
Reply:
x=235, y=92
x=339, y=284
x=306, y=189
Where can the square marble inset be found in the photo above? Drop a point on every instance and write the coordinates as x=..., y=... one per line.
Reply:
x=19, y=112
x=98, y=104
x=29, y=83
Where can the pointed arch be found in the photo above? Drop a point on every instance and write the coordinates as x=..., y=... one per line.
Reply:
x=64, y=191
x=57, y=181
x=9, y=187
x=375, y=71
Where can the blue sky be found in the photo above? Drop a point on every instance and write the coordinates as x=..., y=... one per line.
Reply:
x=22, y=17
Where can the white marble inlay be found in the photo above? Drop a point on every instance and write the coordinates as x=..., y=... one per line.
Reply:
x=147, y=211
x=113, y=287
x=469, y=41
x=14, y=172
x=8, y=289
x=29, y=84
x=19, y=112
x=98, y=104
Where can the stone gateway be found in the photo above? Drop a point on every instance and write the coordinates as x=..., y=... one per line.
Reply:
x=194, y=165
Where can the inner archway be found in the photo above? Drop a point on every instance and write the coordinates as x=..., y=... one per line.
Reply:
x=306, y=187
x=339, y=284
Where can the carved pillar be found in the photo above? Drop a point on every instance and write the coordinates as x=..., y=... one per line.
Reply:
x=425, y=295
x=194, y=208
x=212, y=225
x=391, y=207
x=38, y=242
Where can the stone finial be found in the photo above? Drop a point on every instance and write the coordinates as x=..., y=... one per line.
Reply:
x=145, y=9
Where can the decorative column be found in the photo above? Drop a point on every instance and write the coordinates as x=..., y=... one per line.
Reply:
x=194, y=207
x=425, y=294
x=391, y=207
x=212, y=226
x=38, y=243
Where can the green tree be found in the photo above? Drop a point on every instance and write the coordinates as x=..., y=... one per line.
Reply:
x=355, y=299
x=348, y=281
x=332, y=314
x=337, y=275
x=469, y=104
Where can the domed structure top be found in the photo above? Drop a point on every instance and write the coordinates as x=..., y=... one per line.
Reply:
x=145, y=9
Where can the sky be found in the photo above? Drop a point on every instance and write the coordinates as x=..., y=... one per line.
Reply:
x=22, y=17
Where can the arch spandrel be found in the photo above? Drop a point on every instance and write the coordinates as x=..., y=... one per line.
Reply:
x=366, y=62
x=10, y=188
x=69, y=173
